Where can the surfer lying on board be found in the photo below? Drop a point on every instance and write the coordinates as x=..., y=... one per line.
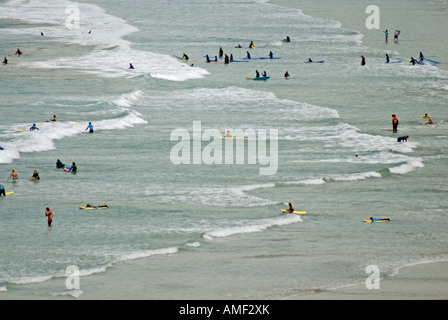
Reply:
x=34, y=127
x=378, y=219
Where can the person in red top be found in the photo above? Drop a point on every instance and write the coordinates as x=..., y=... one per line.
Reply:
x=49, y=214
x=394, y=123
x=291, y=208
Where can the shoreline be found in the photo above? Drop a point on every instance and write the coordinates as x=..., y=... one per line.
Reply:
x=425, y=281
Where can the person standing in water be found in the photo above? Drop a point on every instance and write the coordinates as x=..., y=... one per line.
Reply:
x=14, y=176
x=49, y=215
x=394, y=123
x=396, y=33
x=363, y=61
x=35, y=175
x=90, y=127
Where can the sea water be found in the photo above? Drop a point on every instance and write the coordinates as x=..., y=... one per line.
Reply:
x=213, y=230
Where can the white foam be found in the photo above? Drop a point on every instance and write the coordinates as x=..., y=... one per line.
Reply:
x=111, y=55
x=43, y=139
x=147, y=253
x=407, y=167
x=251, y=227
x=128, y=99
x=209, y=195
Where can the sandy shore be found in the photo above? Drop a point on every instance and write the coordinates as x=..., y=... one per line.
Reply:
x=420, y=282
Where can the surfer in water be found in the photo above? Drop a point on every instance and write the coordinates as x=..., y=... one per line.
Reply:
x=403, y=139
x=394, y=123
x=257, y=74
x=207, y=58
x=251, y=45
x=131, y=66
x=35, y=175
x=73, y=168
x=386, y=34
x=18, y=52
x=396, y=33
x=228, y=134
x=14, y=176
x=387, y=58
x=413, y=61
x=59, y=164
x=287, y=75
x=5, y=61
x=185, y=57
x=248, y=54
x=2, y=190
x=34, y=127
x=363, y=61
x=291, y=208
x=271, y=55
x=421, y=56
x=90, y=127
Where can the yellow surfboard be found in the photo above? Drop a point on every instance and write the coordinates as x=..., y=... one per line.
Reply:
x=295, y=212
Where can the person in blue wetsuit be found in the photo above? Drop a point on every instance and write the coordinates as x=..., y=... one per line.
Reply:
x=34, y=127
x=90, y=127
x=378, y=219
x=59, y=164
x=2, y=190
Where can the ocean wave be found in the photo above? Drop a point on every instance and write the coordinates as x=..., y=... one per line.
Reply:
x=337, y=177
x=252, y=227
x=407, y=167
x=111, y=55
x=209, y=195
x=43, y=139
